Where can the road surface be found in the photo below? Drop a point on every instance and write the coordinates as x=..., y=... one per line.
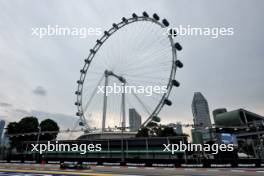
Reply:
x=19, y=170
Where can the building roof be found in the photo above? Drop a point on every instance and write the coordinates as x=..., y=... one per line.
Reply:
x=236, y=118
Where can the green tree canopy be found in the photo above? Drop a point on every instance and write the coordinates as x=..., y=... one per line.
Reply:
x=158, y=131
x=165, y=131
x=49, y=125
x=143, y=132
x=12, y=129
x=30, y=125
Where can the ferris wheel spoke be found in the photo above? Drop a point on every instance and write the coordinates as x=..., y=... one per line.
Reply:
x=142, y=103
x=146, y=77
x=138, y=67
x=144, y=59
x=148, y=82
x=93, y=94
x=145, y=83
x=135, y=85
x=158, y=95
x=147, y=49
x=143, y=62
x=159, y=40
x=148, y=72
x=138, y=39
x=154, y=36
x=139, y=55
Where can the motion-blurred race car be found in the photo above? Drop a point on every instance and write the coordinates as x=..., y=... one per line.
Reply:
x=73, y=165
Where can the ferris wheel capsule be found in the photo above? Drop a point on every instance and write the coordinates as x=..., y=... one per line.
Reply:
x=134, y=15
x=87, y=61
x=175, y=83
x=145, y=14
x=77, y=103
x=124, y=20
x=172, y=32
x=92, y=51
x=77, y=92
x=156, y=17
x=165, y=23
x=99, y=42
x=82, y=71
x=115, y=25
x=106, y=33
x=178, y=46
x=167, y=102
x=179, y=63
x=79, y=82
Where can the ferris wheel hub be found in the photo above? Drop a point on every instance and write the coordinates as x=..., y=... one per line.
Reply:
x=111, y=73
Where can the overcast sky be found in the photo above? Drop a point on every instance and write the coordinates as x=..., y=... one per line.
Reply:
x=38, y=76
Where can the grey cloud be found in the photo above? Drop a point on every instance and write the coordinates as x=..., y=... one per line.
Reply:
x=39, y=91
x=65, y=121
x=21, y=111
x=4, y=104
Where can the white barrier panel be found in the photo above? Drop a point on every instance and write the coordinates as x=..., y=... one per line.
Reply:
x=135, y=164
x=54, y=162
x=162, y=165
x=246, y=165
x=30, y=162
x=92, y=163
x=111, y=164
x=191, y=165
x=220, y=165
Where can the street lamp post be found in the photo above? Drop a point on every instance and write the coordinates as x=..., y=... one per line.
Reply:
x=39, y=131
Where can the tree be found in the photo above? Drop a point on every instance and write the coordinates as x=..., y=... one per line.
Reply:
x=143, y=132
x=165, y=131
x=30, y=125
x=158, y=131
x=49, y=125
x=25, y=125
x=12, y=129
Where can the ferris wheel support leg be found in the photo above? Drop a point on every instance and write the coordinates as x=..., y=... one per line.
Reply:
x=105, y=102
x=123, y=109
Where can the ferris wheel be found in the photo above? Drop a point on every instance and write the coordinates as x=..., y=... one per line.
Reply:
x=136, y=52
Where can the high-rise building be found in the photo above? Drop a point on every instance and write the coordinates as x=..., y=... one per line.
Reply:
x=5, y=140
x=134, y=120
x=200, y=110
x=177, y=127
x=2, y=127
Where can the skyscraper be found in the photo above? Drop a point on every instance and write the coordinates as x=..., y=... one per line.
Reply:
x=134, y=120
x=2, y=127
x=200, y=110
x=178, y=128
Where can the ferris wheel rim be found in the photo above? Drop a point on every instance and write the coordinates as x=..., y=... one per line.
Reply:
x=99, y=43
